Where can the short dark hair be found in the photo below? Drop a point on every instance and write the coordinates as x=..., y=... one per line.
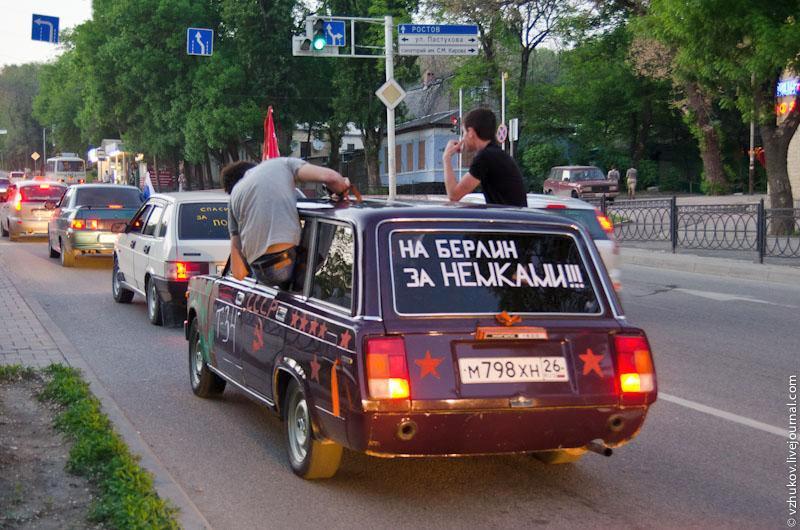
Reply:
x=233, y=173
x=483, y=122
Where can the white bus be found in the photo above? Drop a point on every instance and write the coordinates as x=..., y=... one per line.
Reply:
x=66, y=167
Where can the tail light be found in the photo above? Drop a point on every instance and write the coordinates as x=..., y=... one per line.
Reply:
x=635, y=364
x=183, y=270
x=115, y=206
x=556, y=206
x=18, y=202
x=605, y=222
x=387, y=372
x=85, y=224
x=44, y=186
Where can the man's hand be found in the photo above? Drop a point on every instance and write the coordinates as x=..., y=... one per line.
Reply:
x=453, y=147
x=338, y=183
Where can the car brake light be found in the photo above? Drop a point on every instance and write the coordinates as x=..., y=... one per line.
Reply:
x=387, y=372
x=18, y=202
x=556, y=207
x=635, y=364
x=115, y=206
x=85, y=224
x=183, y=270
x=44, y=186
x=605, y=222
x=78, y=224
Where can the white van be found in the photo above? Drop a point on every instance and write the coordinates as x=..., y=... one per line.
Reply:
x=172, y=237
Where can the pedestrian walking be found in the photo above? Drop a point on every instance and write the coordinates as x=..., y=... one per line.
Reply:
x=106, y=177
x=630, y=177
x=491, y=168
x=181, y=182
x=262, y=216
x=613, y=174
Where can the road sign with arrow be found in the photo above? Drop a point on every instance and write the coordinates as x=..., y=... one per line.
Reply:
x=45, y=28
x=200, y=41
x=438, y=39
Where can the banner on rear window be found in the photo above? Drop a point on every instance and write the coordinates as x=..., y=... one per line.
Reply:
x=489, y=272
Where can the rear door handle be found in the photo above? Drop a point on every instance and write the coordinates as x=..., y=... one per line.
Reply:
x=146, y=249
x=133, y=244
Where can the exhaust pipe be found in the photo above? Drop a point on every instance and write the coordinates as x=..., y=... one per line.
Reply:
x=599, y=447
x=406, y=430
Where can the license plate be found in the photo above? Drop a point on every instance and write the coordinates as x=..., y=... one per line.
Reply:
x=513, y=370
x=106, y=238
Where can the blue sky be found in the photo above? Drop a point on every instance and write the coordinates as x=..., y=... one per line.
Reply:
x=16, y=17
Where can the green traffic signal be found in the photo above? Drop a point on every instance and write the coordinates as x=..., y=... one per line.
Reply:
x=318, y=42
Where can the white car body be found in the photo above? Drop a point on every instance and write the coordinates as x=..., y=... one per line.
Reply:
x=147, y=255
x=607, y=244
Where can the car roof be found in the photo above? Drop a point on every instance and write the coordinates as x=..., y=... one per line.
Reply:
x=538, y=200
x=102, y=185
x=194, y=196
x=26, y=183
x=575, y=167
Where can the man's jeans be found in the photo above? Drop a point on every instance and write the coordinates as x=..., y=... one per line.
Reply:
x=275, y=269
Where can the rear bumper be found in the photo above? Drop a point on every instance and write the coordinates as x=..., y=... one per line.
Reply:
x=492, y=431
x=21, y=227
x=91, y=242
x=171, y=292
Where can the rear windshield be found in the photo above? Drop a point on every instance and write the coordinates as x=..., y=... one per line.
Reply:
x=203, y=221
x=488, y=272
x=588, y=218
x=105, y=197
x=70, y=165
x=44, y=192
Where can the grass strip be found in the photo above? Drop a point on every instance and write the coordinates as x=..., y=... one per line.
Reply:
x=126, y=498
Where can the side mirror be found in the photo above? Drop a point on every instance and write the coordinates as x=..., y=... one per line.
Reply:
x=119, y=228
x=50, y=205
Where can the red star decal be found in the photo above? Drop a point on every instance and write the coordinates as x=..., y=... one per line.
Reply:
x=303, y=323
x=295, y=318
x=313, y=327
x=591, y=362
x=344, y=340
x=322, y=330
x=258, y=336
x=428, y=365
x=315, y=368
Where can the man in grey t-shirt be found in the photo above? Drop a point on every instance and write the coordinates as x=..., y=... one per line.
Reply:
x=262, y=217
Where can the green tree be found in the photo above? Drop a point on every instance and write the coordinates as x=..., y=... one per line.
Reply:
x=19, y=85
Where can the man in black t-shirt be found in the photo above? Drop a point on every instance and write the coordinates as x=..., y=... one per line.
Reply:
x=496, y=172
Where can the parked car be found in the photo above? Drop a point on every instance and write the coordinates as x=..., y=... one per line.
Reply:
x=23, y=214
x=600, y=227
x=429, y=329
x=580, y=182
x=172, y=237
x=80, y=224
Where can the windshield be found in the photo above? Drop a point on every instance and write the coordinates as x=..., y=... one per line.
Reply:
x=200, y=220
x=487, y=273
x=4, y=182
x=70, y=165
x=106, y=197
x=592, y=173
x=43, y=192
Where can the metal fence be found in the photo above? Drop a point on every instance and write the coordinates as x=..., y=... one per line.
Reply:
x=769, y=232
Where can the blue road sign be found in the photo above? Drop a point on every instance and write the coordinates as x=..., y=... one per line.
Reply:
x=44, y=28
x=438, y=29
x=199, y=41
x=334, y=32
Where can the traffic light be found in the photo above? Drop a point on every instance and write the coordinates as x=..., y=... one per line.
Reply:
x=456, y=125
x=318, y=41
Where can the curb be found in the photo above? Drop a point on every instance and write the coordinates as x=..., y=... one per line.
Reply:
x=787, y=275
x=164, y=483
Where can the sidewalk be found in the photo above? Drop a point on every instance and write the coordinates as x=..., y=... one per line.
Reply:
x=664, y=259
x=29, y=337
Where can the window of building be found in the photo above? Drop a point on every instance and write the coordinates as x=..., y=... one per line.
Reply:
x=398, y=158
x=410, y=157
x=421, y=155
x=305, y=149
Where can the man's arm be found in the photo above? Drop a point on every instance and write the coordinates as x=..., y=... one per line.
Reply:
x=456, y=190
x=332, y=179
x=238, y=263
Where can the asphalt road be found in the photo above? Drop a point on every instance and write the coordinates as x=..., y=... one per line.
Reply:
x=710, y=455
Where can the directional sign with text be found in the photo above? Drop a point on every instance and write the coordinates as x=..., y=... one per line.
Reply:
x=200, y=41
x=334, y=32
x=44, y=28
x=438, y=39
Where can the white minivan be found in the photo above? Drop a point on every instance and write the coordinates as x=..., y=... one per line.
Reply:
x=172, y=237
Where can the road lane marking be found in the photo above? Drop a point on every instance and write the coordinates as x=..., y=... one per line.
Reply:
x=724, y=297
x=735, y=418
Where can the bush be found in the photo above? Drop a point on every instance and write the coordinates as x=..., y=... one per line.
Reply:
x=537, y=161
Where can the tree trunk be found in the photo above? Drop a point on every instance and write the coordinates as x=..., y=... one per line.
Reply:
x=372, y=145
x=335, y=133
x=708, y=138
x=525, y=59
x=776, y=150
x=645, y=120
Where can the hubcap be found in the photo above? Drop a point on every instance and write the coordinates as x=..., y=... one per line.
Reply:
x=197, y=357
x=151, y=302
x=115, y=280
x=299, y=430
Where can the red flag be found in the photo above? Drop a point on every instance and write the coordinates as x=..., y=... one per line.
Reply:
x=270, y=147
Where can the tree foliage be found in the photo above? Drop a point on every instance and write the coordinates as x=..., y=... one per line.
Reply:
x=18, y=87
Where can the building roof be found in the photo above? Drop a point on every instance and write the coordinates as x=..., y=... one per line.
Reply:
x=439, y=120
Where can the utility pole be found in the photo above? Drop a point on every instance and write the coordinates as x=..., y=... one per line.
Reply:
x=503, y=102
x=752, y=168
x=388, y=33
x=44, y=143
x=460, y=123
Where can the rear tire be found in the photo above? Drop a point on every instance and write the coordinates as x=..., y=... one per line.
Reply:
x=11, y=235
x=67, y=257
x=561, y=456
x=205, y=383
x=309, y=458
x=121, y=295
x=53, y=253
x=4, y=231
x=153, y=304
x=574, y=194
